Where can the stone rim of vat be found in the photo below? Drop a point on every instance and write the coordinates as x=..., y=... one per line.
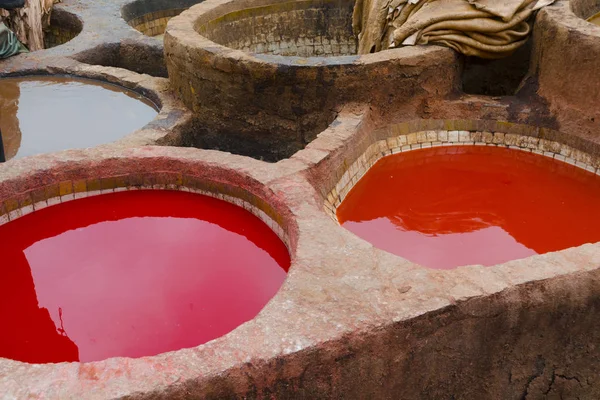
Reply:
x=370, y=143
x=283, y=102
x=338, y=288
x=402, y=140
x=139, y=8
x=182, y=31
x=164, y=129
x=565, y=44
x=573, y=16
x=37, y=182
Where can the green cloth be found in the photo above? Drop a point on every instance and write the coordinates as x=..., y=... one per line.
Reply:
x=9, y=43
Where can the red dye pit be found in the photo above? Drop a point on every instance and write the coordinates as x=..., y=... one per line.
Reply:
x=450, y=206
x=132, y=274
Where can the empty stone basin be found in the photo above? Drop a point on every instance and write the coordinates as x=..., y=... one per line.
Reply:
x=63, y=27
x=51, y=113
x=448, y=206
x=133, y=273
x=151, y=16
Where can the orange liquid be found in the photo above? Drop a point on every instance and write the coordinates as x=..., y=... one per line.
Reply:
x=449, y=206
x=132, y=274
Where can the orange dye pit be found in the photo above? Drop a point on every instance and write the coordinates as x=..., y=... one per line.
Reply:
x=445, y=207
x=132, y=274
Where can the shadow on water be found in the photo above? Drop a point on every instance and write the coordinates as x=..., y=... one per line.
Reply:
x=10, y=131
x=31, y=327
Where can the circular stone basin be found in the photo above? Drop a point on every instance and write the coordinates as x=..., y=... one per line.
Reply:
x=63, y=27
x=267, y=77
x=150, y=17
x=445, y=207
x=133, y=274
x=306, y=28
x=51, y=113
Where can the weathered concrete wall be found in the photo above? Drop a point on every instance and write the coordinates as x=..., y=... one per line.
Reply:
x=145, y=57
x=302, y=28
x=585, y=8
x=566, y=63
x=282, y=103
x=537, y=341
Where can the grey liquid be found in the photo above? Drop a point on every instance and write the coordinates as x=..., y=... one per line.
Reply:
x=50, y=113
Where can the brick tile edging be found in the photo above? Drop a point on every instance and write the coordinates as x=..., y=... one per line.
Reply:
x=433, y=138
x=62, y=192
x=154, y=23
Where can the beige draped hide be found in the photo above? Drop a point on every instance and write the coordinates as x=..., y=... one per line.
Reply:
x=482, y=28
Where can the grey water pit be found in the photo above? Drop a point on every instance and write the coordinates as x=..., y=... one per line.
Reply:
x=42, y=114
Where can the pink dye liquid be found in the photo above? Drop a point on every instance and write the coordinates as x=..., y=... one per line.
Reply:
x=450, y=206
x=132, y=274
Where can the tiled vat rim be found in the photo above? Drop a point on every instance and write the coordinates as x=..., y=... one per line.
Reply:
x=434, y=138
x=65, y=191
